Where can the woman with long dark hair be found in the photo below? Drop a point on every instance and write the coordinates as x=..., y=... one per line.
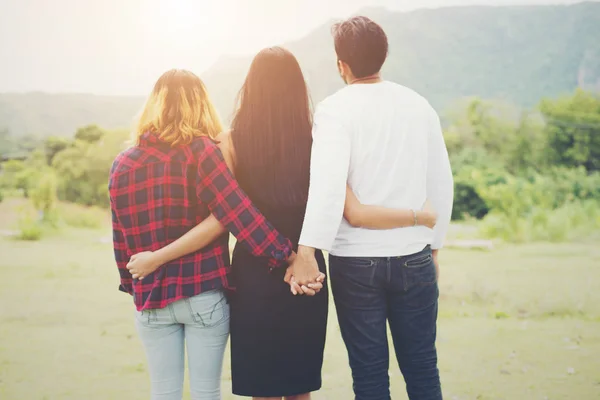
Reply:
x=277, y=339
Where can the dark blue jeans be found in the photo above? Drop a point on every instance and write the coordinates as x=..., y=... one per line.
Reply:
x=369, y=292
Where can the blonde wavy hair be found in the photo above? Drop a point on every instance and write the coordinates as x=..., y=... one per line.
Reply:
x=178, y=110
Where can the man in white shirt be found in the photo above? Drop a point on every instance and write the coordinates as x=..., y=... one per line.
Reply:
x=386, y=142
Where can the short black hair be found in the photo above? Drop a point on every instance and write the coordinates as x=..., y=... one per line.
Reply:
x=362, y=44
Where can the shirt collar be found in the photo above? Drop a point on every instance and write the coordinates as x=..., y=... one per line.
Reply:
x=149, y=139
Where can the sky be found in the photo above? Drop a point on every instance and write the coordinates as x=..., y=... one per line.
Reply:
x=120, y=47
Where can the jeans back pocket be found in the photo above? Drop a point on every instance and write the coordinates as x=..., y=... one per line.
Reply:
x=209, y=309
x=419, y=261
x=419, y=270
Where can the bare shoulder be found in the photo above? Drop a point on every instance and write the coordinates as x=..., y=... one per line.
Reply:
x=224, y=136
x=225, y=141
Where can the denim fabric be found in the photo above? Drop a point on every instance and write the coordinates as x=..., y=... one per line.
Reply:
x=370, y=292
x=201, y=323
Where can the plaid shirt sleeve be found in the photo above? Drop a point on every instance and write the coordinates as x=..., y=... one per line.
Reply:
x=121, y=256
x=232, y=207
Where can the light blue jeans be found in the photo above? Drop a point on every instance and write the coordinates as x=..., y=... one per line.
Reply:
x=202, y=323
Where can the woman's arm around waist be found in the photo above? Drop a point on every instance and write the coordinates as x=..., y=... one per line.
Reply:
x=377, y=217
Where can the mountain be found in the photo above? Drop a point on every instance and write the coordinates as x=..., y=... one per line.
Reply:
x=518, y=54
x=43, y=114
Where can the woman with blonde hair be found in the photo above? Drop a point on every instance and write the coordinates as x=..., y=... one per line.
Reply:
x=277, y=339
x=172, y=179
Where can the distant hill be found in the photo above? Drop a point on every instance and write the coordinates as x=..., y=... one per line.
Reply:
x=43, y=114
x=518, y=54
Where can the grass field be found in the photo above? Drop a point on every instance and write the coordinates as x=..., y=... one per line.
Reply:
x=519, y=322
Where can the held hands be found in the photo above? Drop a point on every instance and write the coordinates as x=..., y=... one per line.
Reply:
x=303, y=274
x=309, y=289
x=142, y=264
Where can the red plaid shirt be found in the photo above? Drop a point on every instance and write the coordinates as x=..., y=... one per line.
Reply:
x=157, y=194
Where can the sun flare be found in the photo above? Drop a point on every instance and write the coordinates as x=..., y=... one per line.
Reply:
x=187, y=32
x=180, y=16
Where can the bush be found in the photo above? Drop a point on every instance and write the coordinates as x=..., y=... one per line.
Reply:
x=84, y=167
x=469, y=182
x=560, y=205
x=80, y=217
x=30, y=227
x=573, y=183
x=43, y=196
x=466, y=201
x=573, y=130
x=10, y=170
x=25, y=181
x=1, y=195
x=499, y=226
x=572, y=221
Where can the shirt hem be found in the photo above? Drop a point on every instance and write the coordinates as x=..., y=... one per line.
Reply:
x=363, y=251
x=165, y=302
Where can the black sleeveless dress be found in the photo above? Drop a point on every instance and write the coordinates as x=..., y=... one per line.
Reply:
x=277, y=339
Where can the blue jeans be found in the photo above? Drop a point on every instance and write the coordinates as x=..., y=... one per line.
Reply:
x=202, y=323
x=368, y=292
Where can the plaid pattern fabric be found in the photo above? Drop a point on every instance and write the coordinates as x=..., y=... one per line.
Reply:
x=157, y=194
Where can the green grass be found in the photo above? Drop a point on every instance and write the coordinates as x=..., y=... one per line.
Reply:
x=520, y=322
x=76, y=216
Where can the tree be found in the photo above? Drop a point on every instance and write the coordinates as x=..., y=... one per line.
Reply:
x=527, y=149
x=573, y=130
x=54, y=145
x=83, y=168
x=493, y=129
x=489, y=125
x=6, y=143
x=89, y=134
x=25, y=175
x=27, y=143
x=43, y=195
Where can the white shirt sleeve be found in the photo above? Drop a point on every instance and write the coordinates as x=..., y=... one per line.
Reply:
x=329, y=165
x=440, y=184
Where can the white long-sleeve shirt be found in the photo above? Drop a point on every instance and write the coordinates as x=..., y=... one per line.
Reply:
x=386, y=141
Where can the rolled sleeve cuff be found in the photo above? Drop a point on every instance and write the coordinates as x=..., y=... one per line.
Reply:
x=436, y=245
x=280, y=256
x=438, y=240
x=316, y=243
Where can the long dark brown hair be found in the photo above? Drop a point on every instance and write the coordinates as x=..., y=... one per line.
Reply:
x=271, y=130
